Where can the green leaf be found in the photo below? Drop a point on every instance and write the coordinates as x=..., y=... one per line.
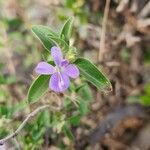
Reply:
x=2, y=66
x=83, y=106
x=17, y=107
x=68, y=104
x=147, y=89
x=85, y=92
x=67, y=131
x=67, y=29
x=7, y=80
x=38, y=88
x=43, y=33
x=43, y=119
x=61, y=43
x=3, y=111
x=93, y=74
x=75, y=119
x=145, y=100
x=37, y=134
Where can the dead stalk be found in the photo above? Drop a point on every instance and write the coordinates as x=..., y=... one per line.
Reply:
x=103, y=32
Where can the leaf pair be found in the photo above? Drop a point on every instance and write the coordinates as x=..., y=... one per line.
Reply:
x=49, y=38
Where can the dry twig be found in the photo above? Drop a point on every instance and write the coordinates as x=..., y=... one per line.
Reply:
x=145, y=11
x=122, y=6
x=103, y=32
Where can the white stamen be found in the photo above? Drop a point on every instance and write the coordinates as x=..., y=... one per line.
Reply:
x=60, y=82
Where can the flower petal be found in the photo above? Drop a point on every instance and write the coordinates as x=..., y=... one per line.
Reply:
x=59, y=82
x=56, y=55
x=72, y=71
x=3, y=147
x=44, y=68
x=64, y=63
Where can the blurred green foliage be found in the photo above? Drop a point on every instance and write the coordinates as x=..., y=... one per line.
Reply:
x=145, y=97
x=147, y=56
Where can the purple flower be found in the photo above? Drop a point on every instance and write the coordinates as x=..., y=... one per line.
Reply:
x=59, y=80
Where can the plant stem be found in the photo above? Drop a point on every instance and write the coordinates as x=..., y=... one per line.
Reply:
x=103, y=32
